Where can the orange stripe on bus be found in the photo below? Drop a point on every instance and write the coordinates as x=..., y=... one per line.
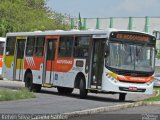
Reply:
x=64, y=64
x=33, y=62
x=135, y=79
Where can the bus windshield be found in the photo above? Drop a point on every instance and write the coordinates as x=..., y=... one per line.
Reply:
x=134, y=57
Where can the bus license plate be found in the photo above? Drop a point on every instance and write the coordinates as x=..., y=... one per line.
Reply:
x=132, y=88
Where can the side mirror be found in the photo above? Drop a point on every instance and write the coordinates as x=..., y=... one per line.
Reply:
x=106, y=51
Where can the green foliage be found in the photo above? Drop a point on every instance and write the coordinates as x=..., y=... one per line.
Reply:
x=28, y=15
x=154, y=98
x=6, y=94
x=158, y=55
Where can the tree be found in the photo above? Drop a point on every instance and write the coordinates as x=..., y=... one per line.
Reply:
x=29, y=15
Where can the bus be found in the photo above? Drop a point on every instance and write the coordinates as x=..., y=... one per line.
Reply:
x=98, y=61
x=2, y=42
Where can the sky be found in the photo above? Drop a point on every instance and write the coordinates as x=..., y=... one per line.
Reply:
x=106, y=8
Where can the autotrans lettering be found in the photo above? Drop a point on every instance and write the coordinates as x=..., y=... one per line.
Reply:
x=64, y=61
x=132, y=37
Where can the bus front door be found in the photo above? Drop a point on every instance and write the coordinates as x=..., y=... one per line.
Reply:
x=97, y=63
x=19, y=58
x=50, y=53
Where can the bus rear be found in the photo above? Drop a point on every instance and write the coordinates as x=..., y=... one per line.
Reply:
x=129, y=63
x=2, y=42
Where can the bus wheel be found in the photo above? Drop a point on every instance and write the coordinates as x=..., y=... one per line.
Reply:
x=28, y=81
x=82, y=90
x=122, y=96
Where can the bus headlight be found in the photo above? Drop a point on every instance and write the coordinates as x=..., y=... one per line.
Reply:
x=150, y=82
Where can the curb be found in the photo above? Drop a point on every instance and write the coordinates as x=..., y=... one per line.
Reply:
x=12, y=81
x=102, y=109
x=108, y=109
x=111, y=108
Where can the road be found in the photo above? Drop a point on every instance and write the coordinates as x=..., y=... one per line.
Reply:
x=136, y=113
x=49, y=101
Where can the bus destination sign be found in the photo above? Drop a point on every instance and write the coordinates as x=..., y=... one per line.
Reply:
x=130, y=37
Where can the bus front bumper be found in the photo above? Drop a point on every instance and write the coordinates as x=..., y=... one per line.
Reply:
x=112, y=85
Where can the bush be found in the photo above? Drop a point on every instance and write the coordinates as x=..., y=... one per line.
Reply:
x=7, y=94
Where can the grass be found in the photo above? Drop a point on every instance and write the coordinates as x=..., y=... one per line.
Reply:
x=7, y=94
x=154, y=98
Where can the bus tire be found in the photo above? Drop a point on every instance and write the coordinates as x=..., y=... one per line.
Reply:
x=29, y=81
x=82, y=90
x=122, y=96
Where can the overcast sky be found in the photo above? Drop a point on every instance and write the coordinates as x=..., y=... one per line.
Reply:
x=106, y=8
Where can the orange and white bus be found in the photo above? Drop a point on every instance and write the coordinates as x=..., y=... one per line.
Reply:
x=2, y=43
x=100, y=61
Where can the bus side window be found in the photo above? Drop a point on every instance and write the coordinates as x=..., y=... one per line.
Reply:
x=30, y=46
x=1, y=48
x=39, y=46
x=10, y=45
x=81, y=46
x=65, y=47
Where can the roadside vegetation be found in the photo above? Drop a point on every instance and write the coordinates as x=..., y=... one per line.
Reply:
x=8, y=94
x=154, y=98
x=29, y=15
x=158, y=55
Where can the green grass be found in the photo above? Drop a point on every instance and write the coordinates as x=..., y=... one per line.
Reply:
x=7, y=94
x=154, y=98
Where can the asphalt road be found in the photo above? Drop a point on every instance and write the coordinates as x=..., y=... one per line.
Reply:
x=50, y=102
x=136, y=113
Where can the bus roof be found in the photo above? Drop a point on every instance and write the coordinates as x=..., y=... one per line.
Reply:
x=58, y=32
x=70, y=32
x=2, y=39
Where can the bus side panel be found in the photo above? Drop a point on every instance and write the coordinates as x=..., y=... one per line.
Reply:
x=67, y=78
x=64, y=64
x=2, y=44
x=63, y=68
x=38, y=70
x=1, y=62
x=34, y=64
x=8, y=67
x=37, y=76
